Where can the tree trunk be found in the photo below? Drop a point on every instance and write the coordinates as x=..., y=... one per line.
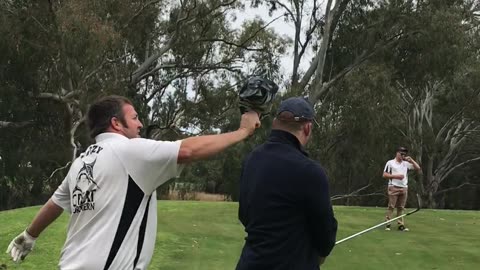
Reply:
x=430, y=203
x=431, y=184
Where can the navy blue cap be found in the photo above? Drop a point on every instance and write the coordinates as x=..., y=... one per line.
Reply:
x=299, y=107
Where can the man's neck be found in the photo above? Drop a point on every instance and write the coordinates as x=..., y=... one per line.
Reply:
x=300, y=138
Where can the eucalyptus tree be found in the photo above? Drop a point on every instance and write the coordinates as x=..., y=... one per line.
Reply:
x=174, y=59
x=438, y=88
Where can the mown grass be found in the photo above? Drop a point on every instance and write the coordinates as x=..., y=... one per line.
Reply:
x=208, y=236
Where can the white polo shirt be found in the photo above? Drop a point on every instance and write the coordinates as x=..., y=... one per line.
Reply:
x=110, y=195
x=394, y=167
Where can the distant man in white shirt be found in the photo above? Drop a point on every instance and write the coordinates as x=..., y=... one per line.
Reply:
x=396, y=171
x=109, y=191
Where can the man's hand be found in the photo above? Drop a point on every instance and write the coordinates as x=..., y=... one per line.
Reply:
x=250, y=122
x=414, y=163
x=21, y=246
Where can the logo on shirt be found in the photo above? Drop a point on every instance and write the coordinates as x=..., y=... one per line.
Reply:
x=83, y=195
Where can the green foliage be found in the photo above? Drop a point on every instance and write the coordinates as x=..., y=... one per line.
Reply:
x=182, y=64
x=419, y=46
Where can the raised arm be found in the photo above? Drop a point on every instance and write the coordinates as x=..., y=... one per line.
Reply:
x=202, y=147
x=414, y=164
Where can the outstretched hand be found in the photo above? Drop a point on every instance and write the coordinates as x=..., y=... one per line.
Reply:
x=21, y=246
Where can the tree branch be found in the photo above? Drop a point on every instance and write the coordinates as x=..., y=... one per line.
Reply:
x=296, y=43
x=330, y=14
x=261, y=29
x=319, y=59
x=181, y=22
x=59, y=169
x=321, y=88
x=339, y=197
x=454, y=188
x=324, y=87
x=231, y=43
x=67, y=98
x=5, y=124
x=73, y=130
x=101, y=65
x=288, y=11
x=209, y=67
x=139, y=11
x=141, y=70
x=314, y=23
x=351, y=194
x=164, y=85
x=447, y=173
x=199, y=67
x=455, y=116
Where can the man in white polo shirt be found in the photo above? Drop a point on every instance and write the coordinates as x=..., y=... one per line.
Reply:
x=109, y=191
x=396, y=171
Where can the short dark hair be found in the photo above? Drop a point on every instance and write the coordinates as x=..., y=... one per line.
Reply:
x=101, y=112
x=402, y=149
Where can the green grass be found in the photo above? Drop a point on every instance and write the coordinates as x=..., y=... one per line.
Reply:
x=208, y=236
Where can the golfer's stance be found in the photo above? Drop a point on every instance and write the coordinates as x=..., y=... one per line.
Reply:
x=284, y=198
x=109, y=191
x=396, y=171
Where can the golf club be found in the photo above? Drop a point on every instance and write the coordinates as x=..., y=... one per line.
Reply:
x=381, y=224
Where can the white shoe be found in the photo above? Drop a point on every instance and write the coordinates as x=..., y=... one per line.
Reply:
x=402, y=228
x=387, y=228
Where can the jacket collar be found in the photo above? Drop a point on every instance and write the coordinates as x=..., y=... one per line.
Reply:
x=282, y=136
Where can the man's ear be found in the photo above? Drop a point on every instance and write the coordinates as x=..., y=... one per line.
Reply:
x=307, y=129
x=115, y=123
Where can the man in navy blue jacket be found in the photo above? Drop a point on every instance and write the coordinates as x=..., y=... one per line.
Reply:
x=284, y=198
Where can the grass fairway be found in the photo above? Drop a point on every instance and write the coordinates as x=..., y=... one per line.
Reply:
x=208, y=236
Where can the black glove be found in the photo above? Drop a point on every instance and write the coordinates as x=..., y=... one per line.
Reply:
x=257, y=95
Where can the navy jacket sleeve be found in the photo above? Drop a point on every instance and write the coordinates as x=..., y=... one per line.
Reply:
x=321, y=220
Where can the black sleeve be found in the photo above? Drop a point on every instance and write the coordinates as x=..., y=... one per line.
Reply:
x=388, y=169
x=321, y=220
